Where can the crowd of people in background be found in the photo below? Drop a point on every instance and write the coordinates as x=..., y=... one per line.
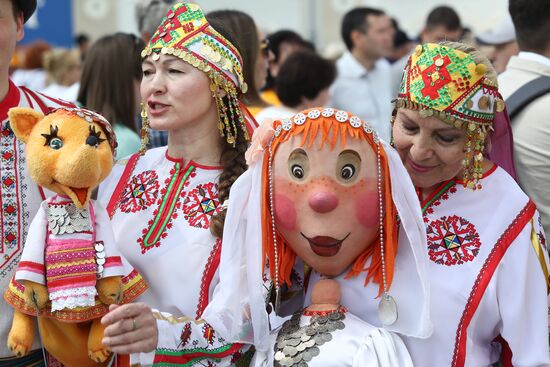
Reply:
x=368, y=71
x=283, y=73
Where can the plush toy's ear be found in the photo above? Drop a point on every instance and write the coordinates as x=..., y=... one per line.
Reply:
x=22, y=121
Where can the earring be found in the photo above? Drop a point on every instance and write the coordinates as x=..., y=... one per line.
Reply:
x=223, y=119
x=387, y=307
x=274, y=234
x=144, y=130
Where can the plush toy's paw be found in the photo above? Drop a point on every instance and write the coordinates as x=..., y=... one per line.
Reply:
x=35, y=294
x=18, y=349
x=21, y=334
x=99, y=356
x=110, y=290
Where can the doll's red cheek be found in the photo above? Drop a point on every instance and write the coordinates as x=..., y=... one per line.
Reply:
x=366, y=209
x=285, y=212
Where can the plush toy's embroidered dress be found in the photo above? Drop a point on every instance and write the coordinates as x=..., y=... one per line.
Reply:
x=161, y=210
x=66, y=251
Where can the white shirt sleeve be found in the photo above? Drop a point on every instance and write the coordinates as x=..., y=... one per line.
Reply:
x=183, y=340
x=382, y=348
x=31, y=266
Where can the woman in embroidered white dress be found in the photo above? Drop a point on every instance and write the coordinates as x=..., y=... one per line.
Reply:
x=167, y=204
x=488, y=259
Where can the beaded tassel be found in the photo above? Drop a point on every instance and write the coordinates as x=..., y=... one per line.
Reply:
x=144, y=130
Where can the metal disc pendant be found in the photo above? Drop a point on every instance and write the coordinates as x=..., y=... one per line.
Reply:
x=387, y=310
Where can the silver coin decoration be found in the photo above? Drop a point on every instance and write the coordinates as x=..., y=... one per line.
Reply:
x=100, y=258
x=387, y=310
x=67, y=218
x=296, y=346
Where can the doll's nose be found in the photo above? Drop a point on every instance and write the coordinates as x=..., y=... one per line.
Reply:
x=323, y=201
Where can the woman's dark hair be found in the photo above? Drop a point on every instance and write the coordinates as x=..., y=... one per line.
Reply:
x=243, y=31
x=111, y=67
x=303, y=75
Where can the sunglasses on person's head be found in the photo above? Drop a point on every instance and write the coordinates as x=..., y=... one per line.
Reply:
x=264, y=47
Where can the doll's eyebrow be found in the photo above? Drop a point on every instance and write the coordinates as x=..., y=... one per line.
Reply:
x=296, y=152
x=352, y=152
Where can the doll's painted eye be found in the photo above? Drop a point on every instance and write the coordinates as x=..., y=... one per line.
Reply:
x=52, y=139
x=94, y=139
x=347, y=171
x=56, y=143
x=297, y=171
x=298, y=165
x=348, y=166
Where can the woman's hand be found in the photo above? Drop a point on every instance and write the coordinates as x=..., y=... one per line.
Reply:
x=130, y=328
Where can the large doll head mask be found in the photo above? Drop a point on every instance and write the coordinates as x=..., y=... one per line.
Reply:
x=324, y=191
x=318, y=187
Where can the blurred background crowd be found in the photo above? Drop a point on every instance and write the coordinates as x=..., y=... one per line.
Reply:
x=92, y=56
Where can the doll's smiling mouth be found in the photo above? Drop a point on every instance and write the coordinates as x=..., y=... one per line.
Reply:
x=325, y=246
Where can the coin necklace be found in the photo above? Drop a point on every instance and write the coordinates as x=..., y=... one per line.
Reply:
x=296, y=346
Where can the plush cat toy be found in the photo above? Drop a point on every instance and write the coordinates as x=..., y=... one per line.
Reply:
x=70, y=269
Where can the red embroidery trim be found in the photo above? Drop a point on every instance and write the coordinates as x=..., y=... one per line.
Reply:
x=45, y=109
x=485, y=175
x=201, y=204
x=182, y=360
x=32, y=265
x=169, y=212
x=57, y=101
x=452, y=240
x=10, y=100
x=484, y=277
x=307, y=312
x=115, y=198
x=112, y=261
x=209, y=270
x=147, y=186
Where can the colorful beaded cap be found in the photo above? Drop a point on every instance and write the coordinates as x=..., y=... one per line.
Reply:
x=91, y=116
x=447, y=83
x=186, y=34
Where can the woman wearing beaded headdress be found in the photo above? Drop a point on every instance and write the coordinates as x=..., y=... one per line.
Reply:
x=324, y=190
x=488, y=259
x=167, y=204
